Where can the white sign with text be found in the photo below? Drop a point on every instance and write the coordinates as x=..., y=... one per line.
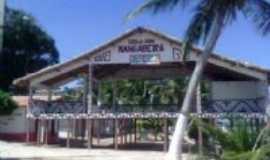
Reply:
x=139, y=49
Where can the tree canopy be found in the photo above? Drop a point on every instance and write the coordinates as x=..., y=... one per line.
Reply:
x=26, y=47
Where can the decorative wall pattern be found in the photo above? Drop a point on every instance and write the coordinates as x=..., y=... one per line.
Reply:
x=236, y=106
x=42, y=107
x=247, y=106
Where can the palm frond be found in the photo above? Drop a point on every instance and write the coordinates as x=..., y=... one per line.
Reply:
x=259, y=10
x=231, y=155
x=204, y=17
x=261, y=153
x=214, y=132
x=156, y=6
x=199, y=26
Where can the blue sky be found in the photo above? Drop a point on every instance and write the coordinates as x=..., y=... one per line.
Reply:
x=83, y=24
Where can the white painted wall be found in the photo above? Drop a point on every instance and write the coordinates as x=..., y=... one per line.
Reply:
x=14, y=123
x=238, y=90
x=171, y=53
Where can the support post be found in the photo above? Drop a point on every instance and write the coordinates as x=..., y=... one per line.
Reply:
x=114, y=95
x=199, y=111
x=90, y=88
x=99, y=122
x=89, y=133
x=42, y=131
x=86, y=88
x=135, y=130
x=125, y=131
x=68, y=133
x=47, y=122
x=113, y=124
x=74, y=128
x=116, y=131
x=121, y=131
x=116, y=120
x=90, y=103
x=166, y=136
x=38, y=131
x=46, y=125
x=130, y=131
x=85, y=103
x=28, y=124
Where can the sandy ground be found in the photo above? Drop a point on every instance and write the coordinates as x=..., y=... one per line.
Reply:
x=12, y=150
x=22, y=151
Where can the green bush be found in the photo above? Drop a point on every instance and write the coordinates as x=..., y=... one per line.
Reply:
x=7, y=105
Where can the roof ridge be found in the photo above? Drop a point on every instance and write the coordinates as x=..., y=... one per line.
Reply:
x=118, y=37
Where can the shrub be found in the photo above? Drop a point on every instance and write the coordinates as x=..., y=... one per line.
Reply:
x=7, y=105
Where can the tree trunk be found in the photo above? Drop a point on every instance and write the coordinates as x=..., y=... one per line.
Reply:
x=175, y=149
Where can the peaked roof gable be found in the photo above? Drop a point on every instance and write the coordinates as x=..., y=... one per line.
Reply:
x=87, y=54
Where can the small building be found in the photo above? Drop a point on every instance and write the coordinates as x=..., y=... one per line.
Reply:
x=14, y=127
x=237, y=88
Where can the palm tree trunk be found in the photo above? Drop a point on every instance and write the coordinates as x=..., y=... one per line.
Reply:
x=175, y=148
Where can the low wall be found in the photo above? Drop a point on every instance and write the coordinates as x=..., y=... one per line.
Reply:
x=13, y=127
x=239, y=96
x=223, y=90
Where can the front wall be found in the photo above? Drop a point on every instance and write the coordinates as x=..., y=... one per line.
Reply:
x=15, y=123
x=251, y=97
x=139, y=45
x=238, y=90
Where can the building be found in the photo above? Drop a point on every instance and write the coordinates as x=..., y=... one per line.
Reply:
x=14, y=127
x=236, y=88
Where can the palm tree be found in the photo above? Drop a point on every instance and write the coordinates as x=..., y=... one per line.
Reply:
x=207, y=23
x=241, y=141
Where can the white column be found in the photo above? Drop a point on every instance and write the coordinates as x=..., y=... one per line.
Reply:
x=114, y=95
x=85, y=94
x=90, y=104
x=116, y=121
x=30, y=99
x=28, y=121
x=89, y=135
x=69, y=123
x=90, y=88
x=47, y=122
x=84, y=122
x=199, y=111
x=116, y=133
x=166, y=134
x=28, y=124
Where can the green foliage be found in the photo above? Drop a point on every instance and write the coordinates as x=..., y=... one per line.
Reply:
x=148, y=92
x=7, y=105
x=205, y=12
x=26, y=47
x=242, y=141
x=71, y=94
x=106, y=92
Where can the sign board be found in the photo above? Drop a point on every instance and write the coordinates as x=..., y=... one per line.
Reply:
x=139, y=49
x=144, y=59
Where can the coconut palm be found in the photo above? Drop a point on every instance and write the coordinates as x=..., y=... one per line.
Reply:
x=207, y=23
x=241, y=141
